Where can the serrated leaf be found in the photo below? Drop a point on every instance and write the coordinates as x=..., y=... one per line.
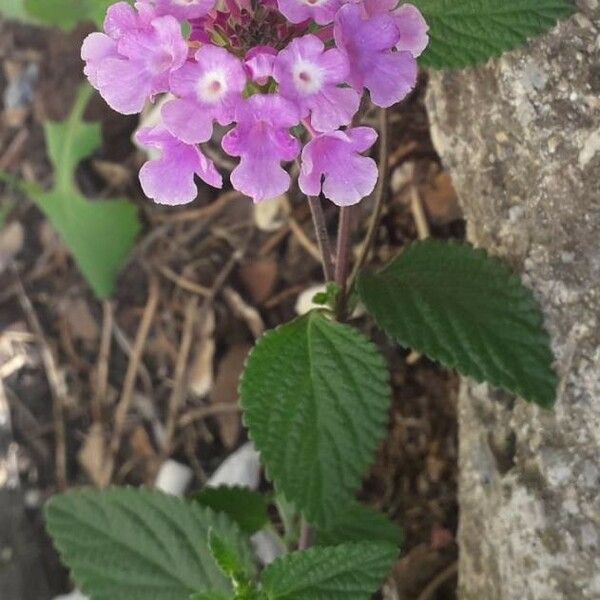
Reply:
x=360, y=523
x=99, y=233
x=128, y=544
x=211, y=596
x=67, y=13
x=465, y=309
x=467, y=32
x=242, y=505
x=345, y=572
x=315, y=395
x=226, y=556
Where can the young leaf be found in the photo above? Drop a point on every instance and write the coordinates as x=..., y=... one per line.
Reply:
x=360, y=523
x=226, y=556
x=242, y=505
x=315, y=395
x=468, y=32
x=345, y=572
x=128, y=544
x=99, y=233
x=67, y=13
x=459, y=306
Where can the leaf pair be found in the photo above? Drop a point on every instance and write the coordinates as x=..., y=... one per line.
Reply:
x=315, y=393
x=126, y=544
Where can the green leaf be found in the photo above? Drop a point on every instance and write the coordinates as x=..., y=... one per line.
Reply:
x=67, y=13
x=345, y=572
x=211, y=596
x=99, y=233
x=242, y=505
x=468, y=32
x=360, y=523
x=13, y=9
x=315, y=395
x=226, y=556
x=128, y=544
x=459, y=306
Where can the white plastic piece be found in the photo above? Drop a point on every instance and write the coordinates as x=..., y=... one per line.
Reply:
x=173, y=478
x=240, y=468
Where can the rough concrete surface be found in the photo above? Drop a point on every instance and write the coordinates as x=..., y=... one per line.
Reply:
x=521, y=137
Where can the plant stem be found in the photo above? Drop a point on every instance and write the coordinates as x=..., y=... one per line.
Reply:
x=343, y=247
x=307, y=535
x=380, y=196
x=318, y=217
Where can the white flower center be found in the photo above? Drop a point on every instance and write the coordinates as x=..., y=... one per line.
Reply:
x=212, y=87
x=308, y=77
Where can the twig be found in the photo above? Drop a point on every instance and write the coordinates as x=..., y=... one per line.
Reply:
x=202, y=213
x=304, y=240
x=178, y=391
x=198, y=414
x=130, y=376
x=101, y=375
x=380, y=195
x=183, y=283
x=318, y=217
x=437, y=581
x=57, y=385
x=416, y=208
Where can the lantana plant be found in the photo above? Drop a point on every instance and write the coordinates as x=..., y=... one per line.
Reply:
x=289, y=80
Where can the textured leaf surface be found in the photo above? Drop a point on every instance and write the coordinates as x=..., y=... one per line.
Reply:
x=99, y=233
x=67, y=13
x=128, y=544
x=360, y=523
x=211, y=596
x=316, y=396
x=468, y=32
x=459, y=306
x=345, y=572
x=246, y=507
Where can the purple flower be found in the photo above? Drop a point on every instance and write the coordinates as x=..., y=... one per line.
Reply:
x=309, y=76
x=413, y=29
x=133, y=61
x=208, y=89
x=170, y=178
x=369, y=44
x=259, y=63
x=262, y=140
x=331, y=163
x=321, y=11
x=183, y=9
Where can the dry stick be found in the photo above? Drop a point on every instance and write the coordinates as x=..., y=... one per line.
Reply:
x=304, y=240
x=178, y=392
x=318, y=216
x=380, y=195
x=130, y=376
x=418, y=213
x=55, y=381
x=101, y=377
x=429, y=592
x=198, y=414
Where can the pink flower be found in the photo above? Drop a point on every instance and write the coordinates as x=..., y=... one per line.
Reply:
x=170, y=178
x=183, y=9
x=369, y=44
x=132, y=62
x=310, y=76
x=262, y=140
x=413, y=29
x=320, y=11
x=208, y=89
x=259, y=63
x=331, y=163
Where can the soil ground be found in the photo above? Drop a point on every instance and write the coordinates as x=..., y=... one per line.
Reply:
x=179, y=256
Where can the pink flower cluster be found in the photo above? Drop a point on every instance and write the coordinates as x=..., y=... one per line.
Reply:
x=287, y=77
